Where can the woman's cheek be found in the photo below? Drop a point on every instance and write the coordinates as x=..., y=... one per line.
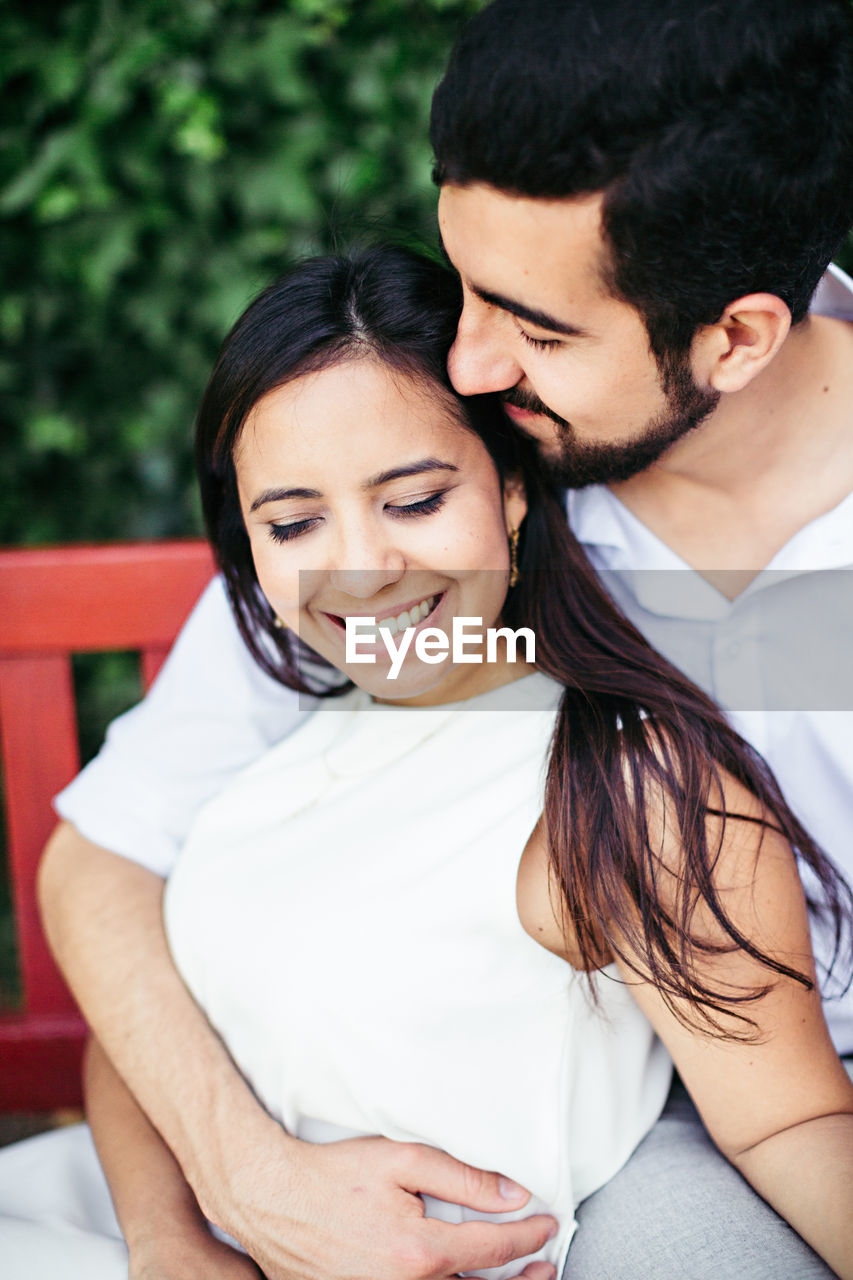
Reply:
x=474, y=538
x=280, y=588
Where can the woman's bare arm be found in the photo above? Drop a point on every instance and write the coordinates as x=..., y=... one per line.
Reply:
x=166, y=1232
x=780, y=1106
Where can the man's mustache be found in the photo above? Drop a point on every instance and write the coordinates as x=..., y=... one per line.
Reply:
x=526, y=400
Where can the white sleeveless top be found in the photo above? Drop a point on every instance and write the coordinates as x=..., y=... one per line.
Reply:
x=345, y=912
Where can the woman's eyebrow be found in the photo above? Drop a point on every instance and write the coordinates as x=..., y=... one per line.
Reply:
x=382, y=477
x=279, y=495
x=411, y=469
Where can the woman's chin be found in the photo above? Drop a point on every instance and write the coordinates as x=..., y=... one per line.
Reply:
x=414, y=681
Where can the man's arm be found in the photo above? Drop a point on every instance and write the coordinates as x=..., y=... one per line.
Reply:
x=304, y=1212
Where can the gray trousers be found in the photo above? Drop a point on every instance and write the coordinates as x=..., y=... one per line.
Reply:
x=679, y=1211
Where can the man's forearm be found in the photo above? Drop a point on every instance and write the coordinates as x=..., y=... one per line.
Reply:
x=103, y=918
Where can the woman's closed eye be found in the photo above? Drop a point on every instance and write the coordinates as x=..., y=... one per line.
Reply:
x=420, y=507
x=284, y=532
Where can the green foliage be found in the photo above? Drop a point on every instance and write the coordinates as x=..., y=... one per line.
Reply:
x=160, y=162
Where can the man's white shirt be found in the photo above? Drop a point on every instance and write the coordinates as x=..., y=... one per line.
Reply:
x=774, y=658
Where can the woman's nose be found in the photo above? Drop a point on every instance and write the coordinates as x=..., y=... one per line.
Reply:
x=362, y=584
x=479, y=360
x=365, y=561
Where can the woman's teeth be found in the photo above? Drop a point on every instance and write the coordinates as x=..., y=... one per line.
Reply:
x=408, y=618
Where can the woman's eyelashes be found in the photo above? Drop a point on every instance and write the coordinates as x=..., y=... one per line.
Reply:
x=398, y=511
x=284, y=532
x=420, y=507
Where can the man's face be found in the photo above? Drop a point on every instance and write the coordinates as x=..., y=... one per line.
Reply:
x=538, y=324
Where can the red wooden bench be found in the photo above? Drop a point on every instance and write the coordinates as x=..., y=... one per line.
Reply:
x=55, y=602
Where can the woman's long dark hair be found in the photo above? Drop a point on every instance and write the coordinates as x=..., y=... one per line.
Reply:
x=630, y=725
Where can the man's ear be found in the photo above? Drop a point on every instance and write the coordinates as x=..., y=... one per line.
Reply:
x=515, y=501
x=729, y=354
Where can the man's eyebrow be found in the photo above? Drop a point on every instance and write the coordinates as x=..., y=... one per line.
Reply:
x=373, y=482
x=541, y=319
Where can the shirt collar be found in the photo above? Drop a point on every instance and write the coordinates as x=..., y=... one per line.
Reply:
x=834, y=295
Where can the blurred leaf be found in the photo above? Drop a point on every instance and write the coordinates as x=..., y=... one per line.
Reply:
x=57, y=202
x=199, y=133
x=54, y=431
x=23, y=189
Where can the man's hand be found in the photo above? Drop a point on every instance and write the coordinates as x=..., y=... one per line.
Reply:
x=351, y=1211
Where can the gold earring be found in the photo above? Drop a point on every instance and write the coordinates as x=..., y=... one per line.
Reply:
x=277, y=623
x=513, y=557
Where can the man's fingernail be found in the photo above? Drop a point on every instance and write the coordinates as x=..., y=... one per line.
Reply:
x=510, y=1190
x=553, y=1231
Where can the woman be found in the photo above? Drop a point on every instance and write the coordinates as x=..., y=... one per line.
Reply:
x=376, y=908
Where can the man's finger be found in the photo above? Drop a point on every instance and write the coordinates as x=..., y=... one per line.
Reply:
x=538, y=1271
x=473, y=1246
x=428, y=1171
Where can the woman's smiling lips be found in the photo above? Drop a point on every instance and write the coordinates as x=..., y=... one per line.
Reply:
x=398, y=618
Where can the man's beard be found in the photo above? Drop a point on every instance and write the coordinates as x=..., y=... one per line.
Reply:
x=578, y=463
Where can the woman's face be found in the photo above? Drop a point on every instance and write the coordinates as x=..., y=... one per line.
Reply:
x=363, y=496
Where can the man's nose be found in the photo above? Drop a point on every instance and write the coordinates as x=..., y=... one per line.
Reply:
x=479, y=360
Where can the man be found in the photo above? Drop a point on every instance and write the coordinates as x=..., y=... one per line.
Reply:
x=640, y=200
